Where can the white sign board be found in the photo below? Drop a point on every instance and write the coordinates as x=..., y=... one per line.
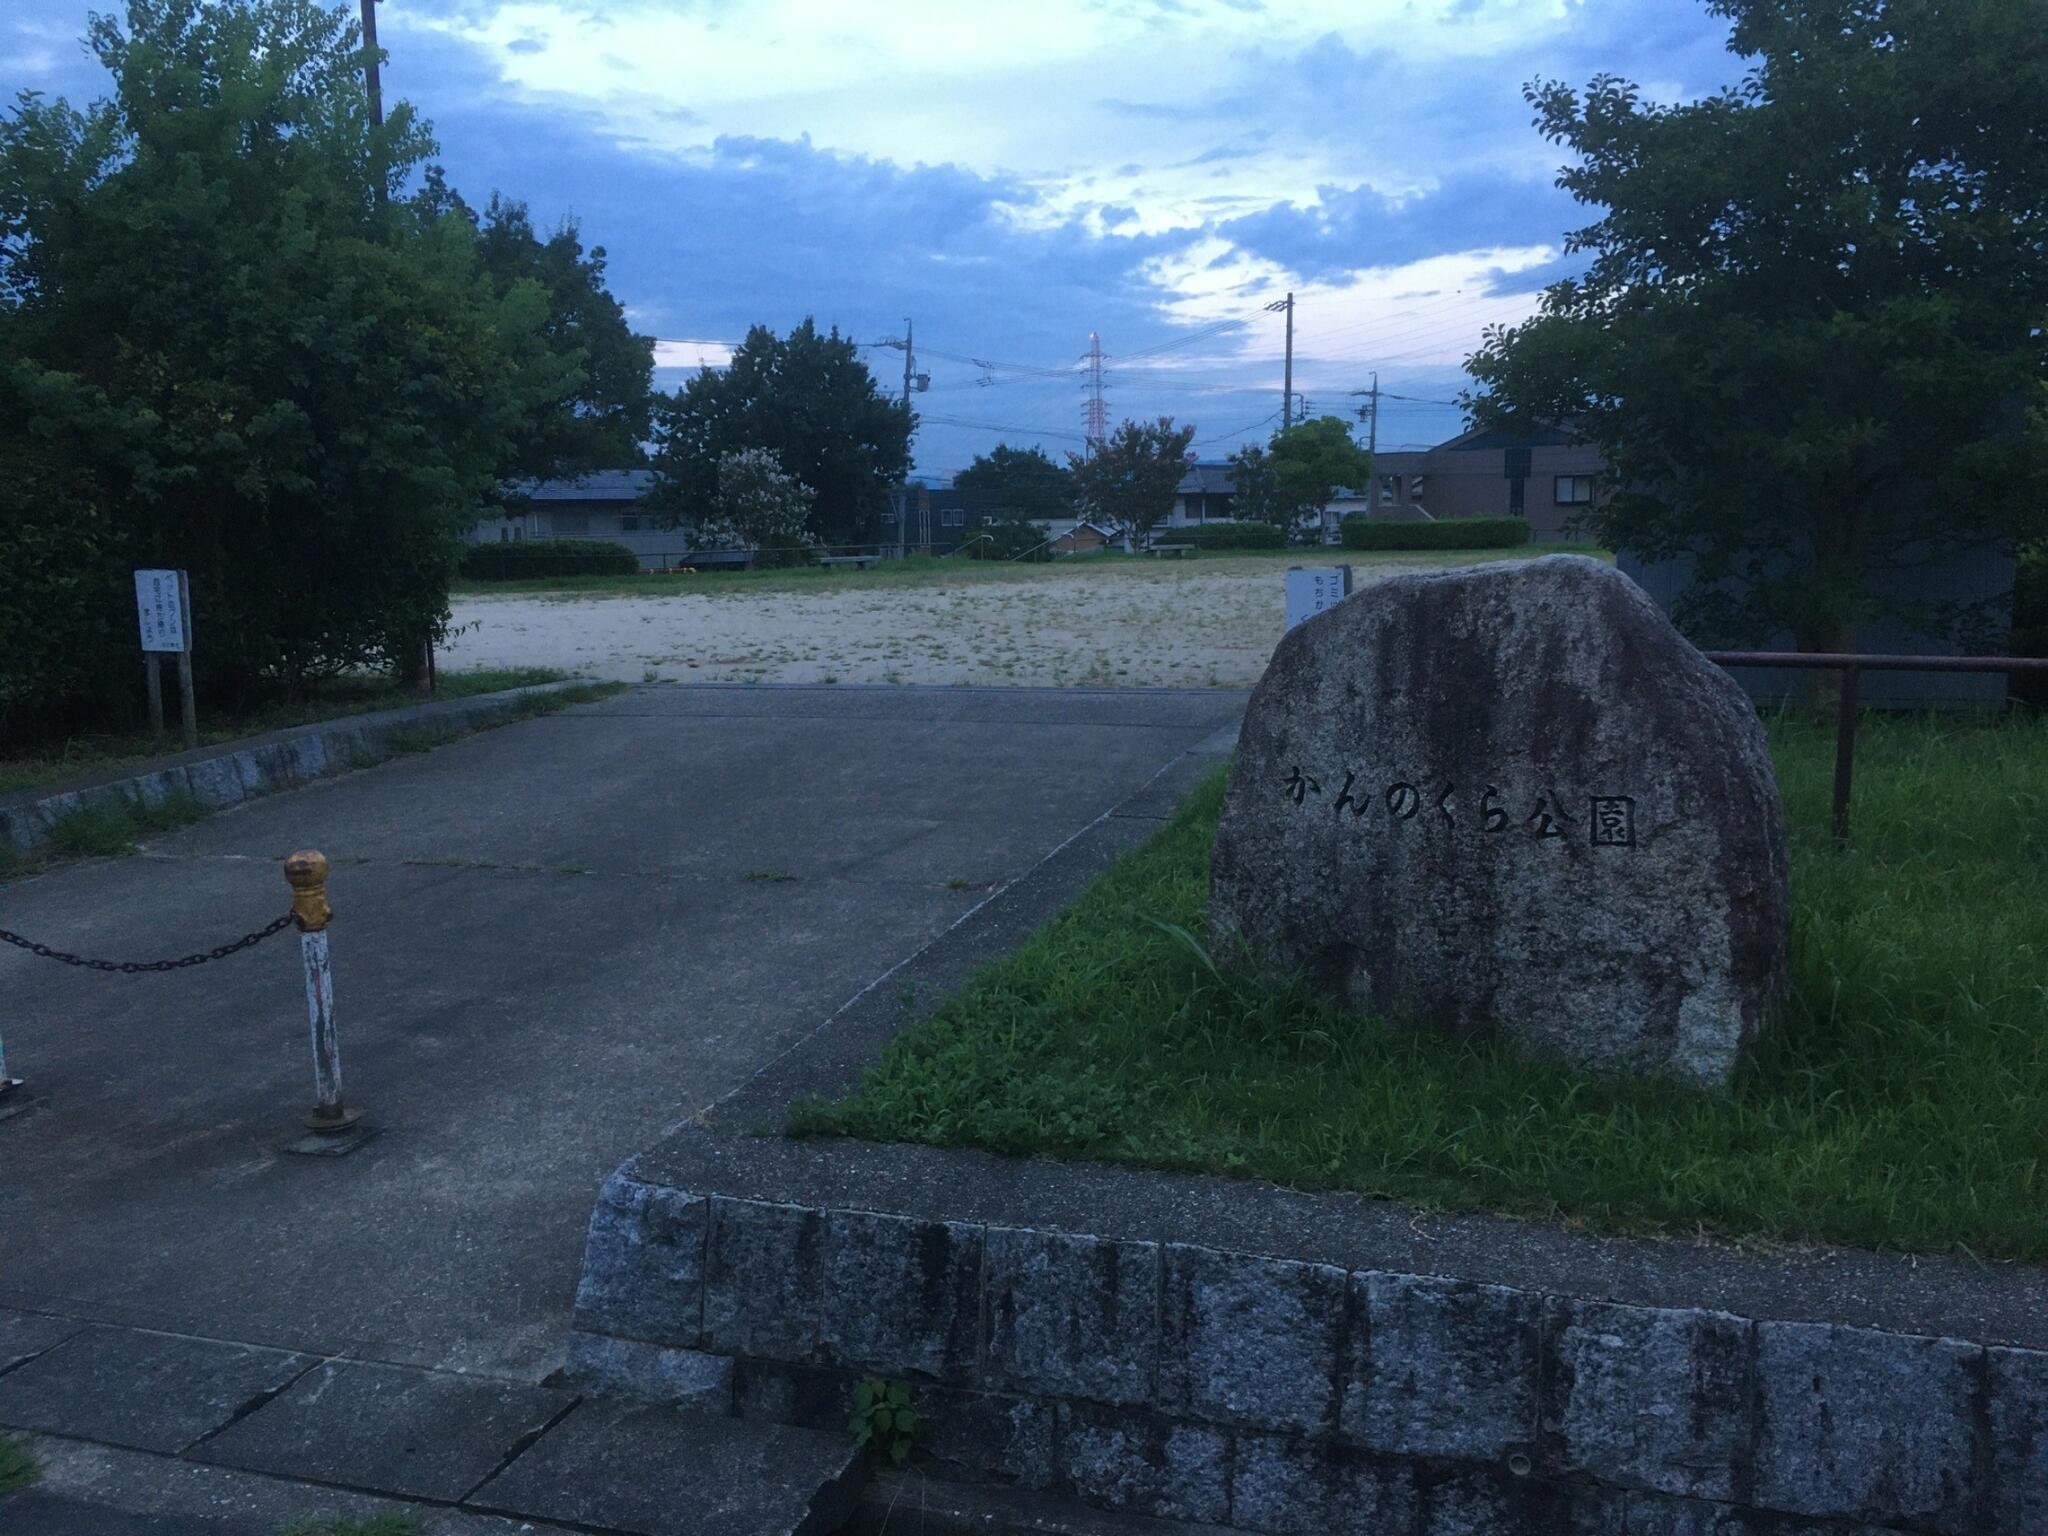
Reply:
x=159, y=600
x=1311, y=589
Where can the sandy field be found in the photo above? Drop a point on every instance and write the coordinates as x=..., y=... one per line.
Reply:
x=1204, y=623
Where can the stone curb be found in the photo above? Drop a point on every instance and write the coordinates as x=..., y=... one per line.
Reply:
x=223, y=776
x=1268, y=1394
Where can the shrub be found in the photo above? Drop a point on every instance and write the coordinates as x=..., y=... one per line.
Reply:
x=1006, y=540
x=1445, y=533
x=531, y=558
x=2030, y=622
x=1231, y=536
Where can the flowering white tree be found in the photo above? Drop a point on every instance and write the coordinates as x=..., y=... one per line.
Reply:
x=760, y=505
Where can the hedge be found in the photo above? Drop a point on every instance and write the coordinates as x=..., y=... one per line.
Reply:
x=525, y=558
x=1227, y=536
x=1445, y=533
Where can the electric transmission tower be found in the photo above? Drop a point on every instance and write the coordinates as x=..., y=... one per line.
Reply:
x=1098, y=413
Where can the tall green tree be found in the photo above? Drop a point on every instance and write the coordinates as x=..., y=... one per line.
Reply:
x=1021, y=482
x=1306, y=464
x=311, y=386
x=1812, y=337
x=605, y=422
x=1131, y=478
x=810, y=400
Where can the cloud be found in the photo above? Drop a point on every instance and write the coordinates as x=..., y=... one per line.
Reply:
x=1015, y=177
x=1350, y=228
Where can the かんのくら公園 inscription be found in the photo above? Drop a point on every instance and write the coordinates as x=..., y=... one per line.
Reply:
x=1610, y=820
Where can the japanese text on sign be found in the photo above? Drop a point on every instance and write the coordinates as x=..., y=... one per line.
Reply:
x=1607, y=820
x=161, y=609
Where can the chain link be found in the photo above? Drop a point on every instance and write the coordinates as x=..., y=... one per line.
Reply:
x=139, y=967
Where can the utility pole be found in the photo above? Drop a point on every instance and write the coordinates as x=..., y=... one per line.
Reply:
x=1370, y=413
x=1287, y=386
x=370, y=66
x=908, y=353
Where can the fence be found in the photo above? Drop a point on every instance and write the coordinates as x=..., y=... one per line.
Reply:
x=1852, y=666
x=306, y=873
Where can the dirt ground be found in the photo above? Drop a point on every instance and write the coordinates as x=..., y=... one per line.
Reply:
x=1205, y=623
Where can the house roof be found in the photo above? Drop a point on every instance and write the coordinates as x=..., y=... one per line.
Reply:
x=599, y=485
x=1210, y=478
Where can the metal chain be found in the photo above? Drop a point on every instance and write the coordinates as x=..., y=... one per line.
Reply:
x=138, y=967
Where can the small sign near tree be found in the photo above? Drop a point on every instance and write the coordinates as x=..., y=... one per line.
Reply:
x=163, y=606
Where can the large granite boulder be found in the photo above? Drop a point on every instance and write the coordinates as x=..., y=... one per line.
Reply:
x=1511, y=797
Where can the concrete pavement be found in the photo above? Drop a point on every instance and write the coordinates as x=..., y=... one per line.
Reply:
x=551, y=942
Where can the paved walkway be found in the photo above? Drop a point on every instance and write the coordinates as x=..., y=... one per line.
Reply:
x=551, y=942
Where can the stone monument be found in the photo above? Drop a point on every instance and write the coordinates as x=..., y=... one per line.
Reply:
x=1511, y=797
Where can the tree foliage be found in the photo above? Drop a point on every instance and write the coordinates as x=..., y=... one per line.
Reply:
x=1292, y=481
x=1021, y=482
x=1131, y=478
x=808, y=398
x=758, y=505
x=236, y=348
x=1812, y=337
x=602, y=424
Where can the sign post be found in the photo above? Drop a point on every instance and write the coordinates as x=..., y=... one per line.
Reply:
x=163, y=605
x=1313, y=588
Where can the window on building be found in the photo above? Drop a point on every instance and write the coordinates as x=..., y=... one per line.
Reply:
x=504, y=533
x=518, y=533
x=629, y=522
x=1387, y=489
x=1574, y=490
x=570, y=522
x=1415, y=487
x=952, y=517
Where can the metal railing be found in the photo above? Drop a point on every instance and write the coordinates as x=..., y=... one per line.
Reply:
x=1852, y=665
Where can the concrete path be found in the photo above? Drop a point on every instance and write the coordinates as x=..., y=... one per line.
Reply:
x=551, y=942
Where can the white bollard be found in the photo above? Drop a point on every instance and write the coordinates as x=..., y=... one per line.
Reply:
x=307, y=872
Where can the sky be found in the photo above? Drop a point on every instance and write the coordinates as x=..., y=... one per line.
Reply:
x=1015, y=178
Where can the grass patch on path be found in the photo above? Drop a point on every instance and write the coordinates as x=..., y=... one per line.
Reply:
x=102, y=752
x=1900, y=1101
x=17, y=1465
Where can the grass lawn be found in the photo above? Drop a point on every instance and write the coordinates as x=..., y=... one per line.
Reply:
x=1900, y=1101
x=942, y=571
x=54, y=762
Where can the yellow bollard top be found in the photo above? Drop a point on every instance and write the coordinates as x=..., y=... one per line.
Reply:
x=307, y=872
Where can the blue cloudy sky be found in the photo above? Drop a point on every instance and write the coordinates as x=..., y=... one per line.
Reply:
x=1015, y=176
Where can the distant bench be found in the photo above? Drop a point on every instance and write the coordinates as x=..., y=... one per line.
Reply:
x=1178, y=551
x=863, y=561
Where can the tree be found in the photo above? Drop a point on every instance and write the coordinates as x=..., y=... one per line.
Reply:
x=1811, y=339
x=1022, y=482
x=812, y=401
x=1131, y=478
x=316, y=385
x=1307, y=463
x=1254, y=489
x=602, y=424
x=758, y=505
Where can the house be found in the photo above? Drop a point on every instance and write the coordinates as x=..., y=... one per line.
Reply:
x=938, y=519
x=1085, y=536
x=1544, y=475
x=1206, y=495
x=602, y=504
